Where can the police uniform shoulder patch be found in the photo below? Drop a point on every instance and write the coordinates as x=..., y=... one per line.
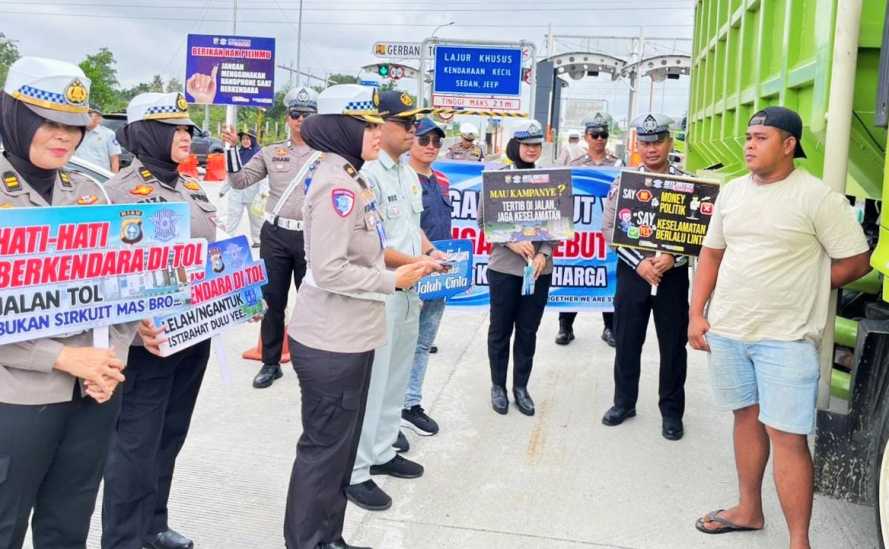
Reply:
x=11, y=182
x=343, y=201
x=65, y=178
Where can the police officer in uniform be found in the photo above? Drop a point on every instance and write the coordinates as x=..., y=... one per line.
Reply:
x=400, y=197
x=596, y=136
x=58, y=400
x=637, y=272
x=281, y=238
x=160, y=393
x=466, y=148
x=339, y=317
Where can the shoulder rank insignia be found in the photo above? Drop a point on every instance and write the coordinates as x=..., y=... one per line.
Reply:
x=142, y=190
x=192, y=185
x=146, y=175
x=11, y=182
x=87, y=199
x=65, y=179
x=350, y=170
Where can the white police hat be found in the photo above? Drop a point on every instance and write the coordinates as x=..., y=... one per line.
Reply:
x=468, y=130
x=573, y=134
x=529, y=132
x=652, y=126
x=305, y=99
x=169, y=108
x=351, y=100
x=55, y=90
x=601, y=121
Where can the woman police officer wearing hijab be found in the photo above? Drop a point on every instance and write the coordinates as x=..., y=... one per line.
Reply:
x=339, y=316
x=160, y=395
x=57, y=394
x=509, y=308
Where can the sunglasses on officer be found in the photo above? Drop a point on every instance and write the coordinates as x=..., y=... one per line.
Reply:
x=406, y=123
x=296, y=115
x=425, y=140
x=598, y=135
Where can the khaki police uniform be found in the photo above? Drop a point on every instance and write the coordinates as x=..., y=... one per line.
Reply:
x=53, y=438
x=600, y=122
x=160, y=393
x=634, y=304
x=281, y=243
x=338, y=321
x=458, y=152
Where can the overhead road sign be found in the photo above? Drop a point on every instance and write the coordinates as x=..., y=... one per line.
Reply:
x=392, y=71
x=399, y=50
x=482, y=77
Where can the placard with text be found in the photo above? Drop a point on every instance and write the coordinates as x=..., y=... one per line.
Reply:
x=528, y=205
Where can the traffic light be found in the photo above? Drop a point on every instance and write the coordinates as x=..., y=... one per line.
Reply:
x=383, y=70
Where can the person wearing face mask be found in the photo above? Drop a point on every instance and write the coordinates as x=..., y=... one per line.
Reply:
x=58, y=400
x=340, y=314
x=160, y=396
x=399, y=194
x=281, y=242
x=510, y=310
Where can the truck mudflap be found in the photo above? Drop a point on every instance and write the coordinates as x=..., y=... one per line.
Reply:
x=844, y=442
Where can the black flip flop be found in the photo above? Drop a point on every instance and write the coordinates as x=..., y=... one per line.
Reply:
x=726, y=525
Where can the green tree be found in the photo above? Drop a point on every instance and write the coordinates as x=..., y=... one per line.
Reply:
x=9, y=53
x=100, y=69
x=174, y=85
x=340, y=78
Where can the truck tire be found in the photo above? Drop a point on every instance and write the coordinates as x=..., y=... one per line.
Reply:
x=880, y=475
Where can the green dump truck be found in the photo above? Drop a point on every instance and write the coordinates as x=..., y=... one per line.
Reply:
x=821, y=58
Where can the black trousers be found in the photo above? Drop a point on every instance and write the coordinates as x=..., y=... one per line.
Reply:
x=285, y=257
x=334, y=394
x=158, y=401
x=51, y=461
x=510, y=310
x=566, y=320
x=633, y=304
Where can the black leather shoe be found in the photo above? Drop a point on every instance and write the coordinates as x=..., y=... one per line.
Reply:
x=267, y=375
x=499, y=401
x=169, y=539
x=616, y=416
x=368, y=495
x=523, y=400
x=608, y=337
x=401, y=444
x=672, y=429
x=433, y=349
x=566, y=336
x=340, y=544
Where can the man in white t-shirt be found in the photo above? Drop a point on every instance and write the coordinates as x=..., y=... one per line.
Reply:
x=99, y=144
x=779, y=240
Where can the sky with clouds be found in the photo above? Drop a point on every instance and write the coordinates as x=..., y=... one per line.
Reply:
x=148, y=37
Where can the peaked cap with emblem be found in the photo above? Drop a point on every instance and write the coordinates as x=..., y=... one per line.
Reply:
x=169, y=108
x=55, y=90
x=599, y=122
x=399, y=104
x=652, y=126
x=530, y=132
x=469, y=131
x=301, y=99
x=361, y=102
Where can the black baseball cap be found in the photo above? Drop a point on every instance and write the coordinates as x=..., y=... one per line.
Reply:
x=783, y=119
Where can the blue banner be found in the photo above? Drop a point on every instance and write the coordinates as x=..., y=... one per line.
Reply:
x=67, y=269
x=458, y=276
x=229, y=294
x=585, y=268
x=230, y=70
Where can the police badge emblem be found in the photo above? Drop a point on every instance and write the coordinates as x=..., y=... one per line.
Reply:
x=649, y=124
x=131, y=226
x=76, y=93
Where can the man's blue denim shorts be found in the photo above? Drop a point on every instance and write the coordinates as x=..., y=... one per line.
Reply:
x=780, y=376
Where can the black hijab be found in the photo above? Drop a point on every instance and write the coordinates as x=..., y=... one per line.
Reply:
x=335, y=133
x=512, y=153
x=151, y=142
x=18, y=124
